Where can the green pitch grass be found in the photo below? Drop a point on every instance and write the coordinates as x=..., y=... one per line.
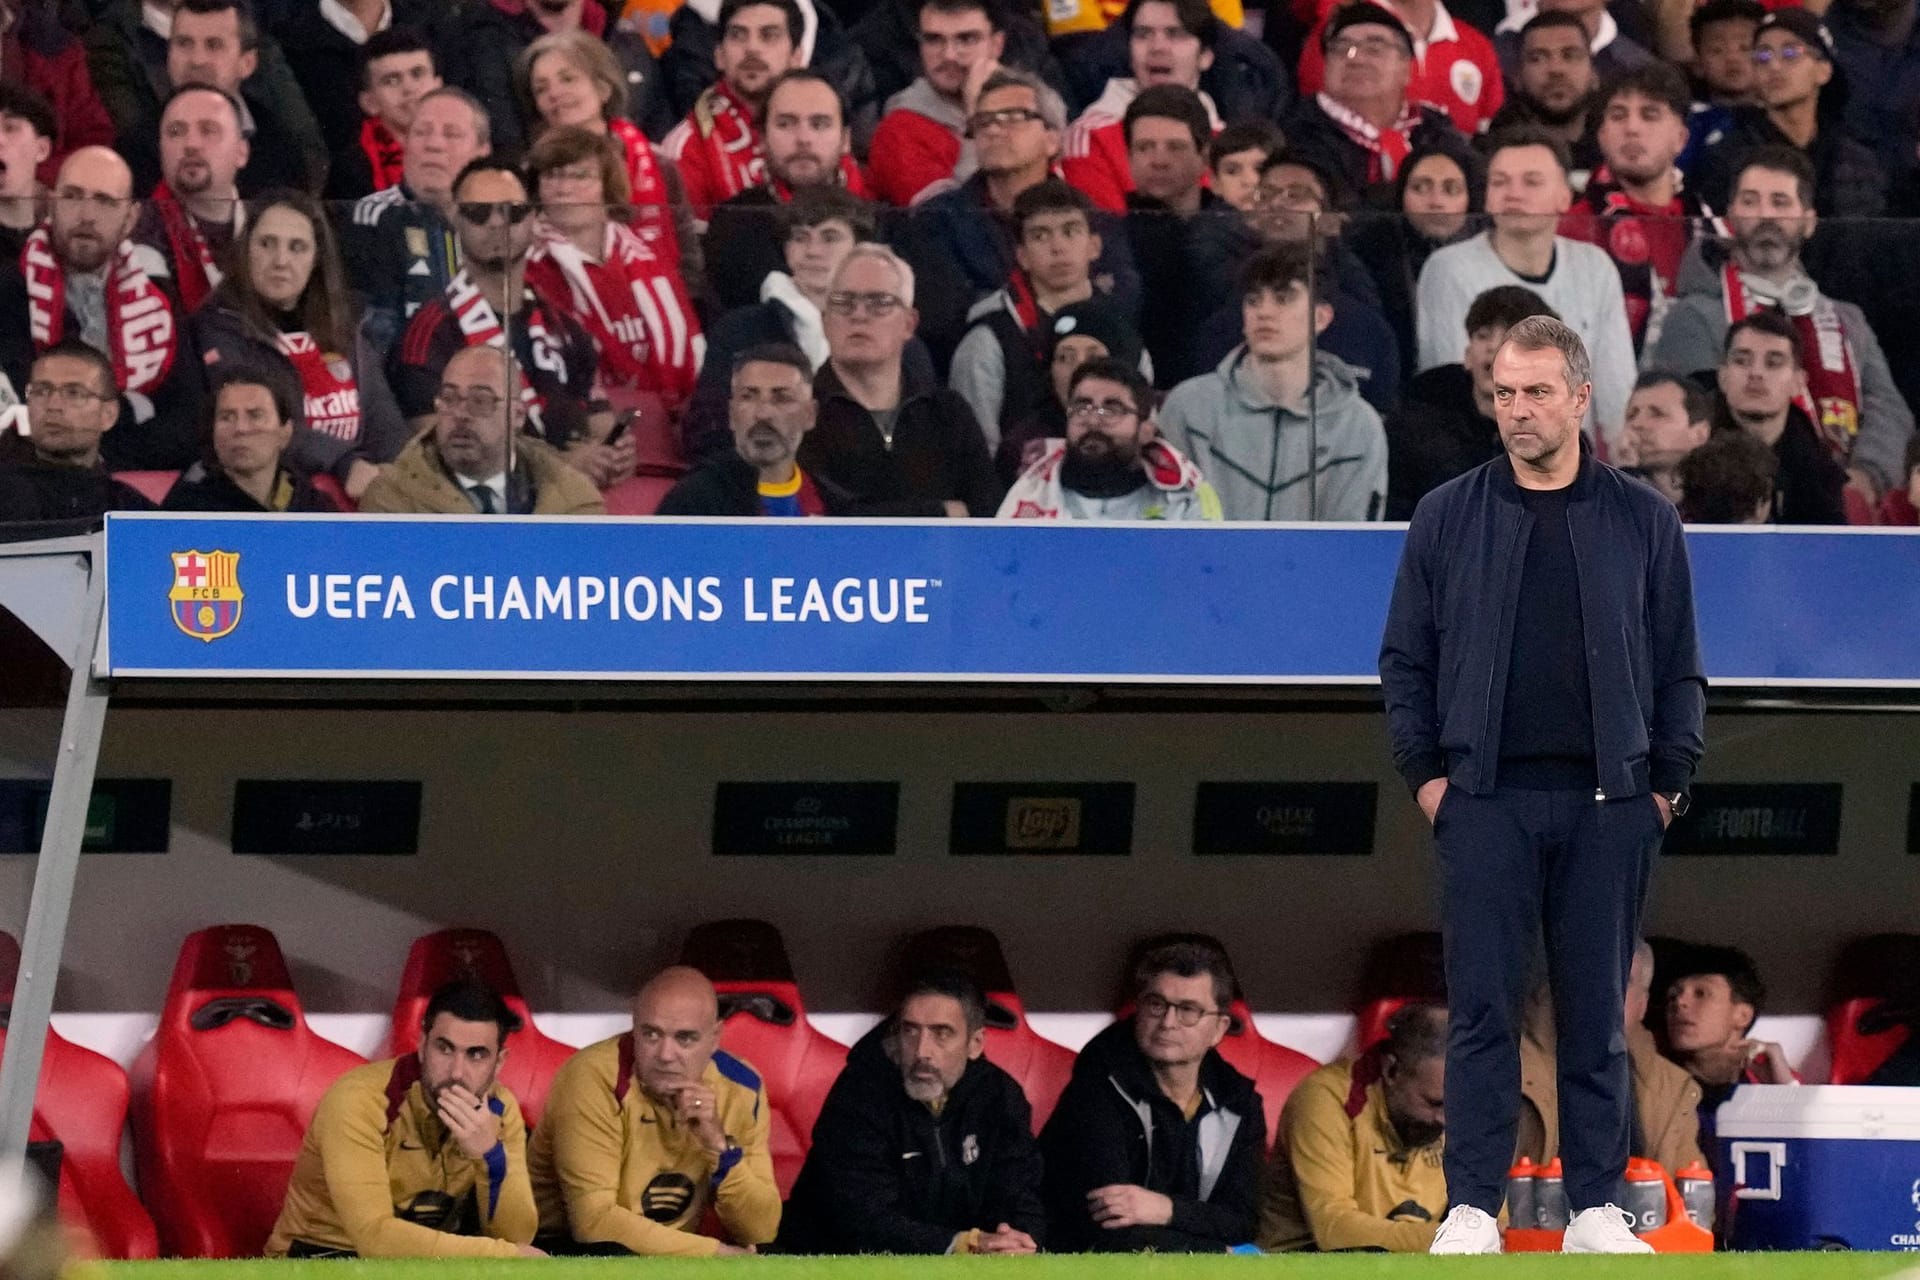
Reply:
x=1777, y=1266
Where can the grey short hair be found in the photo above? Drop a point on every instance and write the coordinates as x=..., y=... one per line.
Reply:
x=1053, y=109
x=482, y=122
x=1542, y=333
x=880, y=253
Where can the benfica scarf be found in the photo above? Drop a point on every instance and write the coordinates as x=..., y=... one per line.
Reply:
x=723, y=125
x=331, y=394
x=633, y=303
x=194, y=273
x=480, y=327
x=1386, y=149
x=1832, y=397
x=652, y=212
x=386, y=154
x=141, y=333
x=1646, y=242
x=1037, y=494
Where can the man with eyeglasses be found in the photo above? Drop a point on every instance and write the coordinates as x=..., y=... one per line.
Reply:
x=896, y=442
x=718, y=146
x=79, y=276
x=1454, y=66
x=923, y=1146
x=54, y=472
x=1112, y=465
x=770, y=409
x=489, y=303
x=649, y=1132
x=1364, y=123
x=477, y=459
x=1157, y=1143
x=922, y=146
x=1793, y=57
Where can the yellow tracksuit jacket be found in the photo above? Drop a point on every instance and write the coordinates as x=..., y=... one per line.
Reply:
x=377, y=1166
x=1340, y=1177
x=611, y=1165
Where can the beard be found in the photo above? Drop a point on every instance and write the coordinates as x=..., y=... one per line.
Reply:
x=1097, y=465
x=1559, y=116
x=1418, y=1133
x=1768, y=246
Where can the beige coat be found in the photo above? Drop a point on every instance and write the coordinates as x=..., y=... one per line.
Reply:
x=1667, y=1097
x=418, y=483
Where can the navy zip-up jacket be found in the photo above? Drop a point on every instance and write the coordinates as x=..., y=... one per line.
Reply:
x=1449, y=633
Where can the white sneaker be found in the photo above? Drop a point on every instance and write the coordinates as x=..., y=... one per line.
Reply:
x=1466, y=1230
x=1602, y=1230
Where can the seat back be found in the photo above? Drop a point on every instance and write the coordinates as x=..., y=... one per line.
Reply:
x=224, y=1093
x=1273, y=1068
x=764, y=1022
x=151, y=485
x=1872, y=1002
x=81, y=1103
x=439, y=958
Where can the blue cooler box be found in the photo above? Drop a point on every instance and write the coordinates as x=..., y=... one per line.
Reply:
x=1823, y=1167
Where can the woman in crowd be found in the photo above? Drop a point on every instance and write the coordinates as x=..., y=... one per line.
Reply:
x=282, y=306
x=570, y=80
x=588, y=259
x=1441, y=192
x=252, y=417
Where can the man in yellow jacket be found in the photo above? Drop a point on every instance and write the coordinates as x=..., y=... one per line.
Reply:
x=1358, y=1161
x=643, y=1133
x=423, y=1156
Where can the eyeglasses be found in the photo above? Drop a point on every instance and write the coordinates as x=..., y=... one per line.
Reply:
x=1186, y=1013
x=1004, y=118
x=872, y=304
x=480, y=402
x=480, y=213
x=1103, y=412
x=1371, y=46
x=71, y=394
x=1787, y=53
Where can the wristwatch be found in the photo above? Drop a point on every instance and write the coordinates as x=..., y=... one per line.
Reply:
x=1678, y=801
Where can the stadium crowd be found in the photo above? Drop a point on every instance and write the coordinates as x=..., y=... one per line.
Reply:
x=656, y=1141
x=1166, y=260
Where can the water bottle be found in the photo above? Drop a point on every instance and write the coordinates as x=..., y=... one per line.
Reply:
x=1643, y=1194
x=1520, y=1194
x=1695, y=1184
x=1550, y=1197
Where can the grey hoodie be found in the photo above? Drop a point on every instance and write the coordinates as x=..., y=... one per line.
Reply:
x=1257, y=453
x=1694, y=337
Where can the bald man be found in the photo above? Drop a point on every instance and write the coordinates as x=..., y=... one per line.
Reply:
x=644, y=1132
x=79, y=276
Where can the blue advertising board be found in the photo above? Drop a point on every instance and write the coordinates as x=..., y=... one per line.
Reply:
x=598, y=599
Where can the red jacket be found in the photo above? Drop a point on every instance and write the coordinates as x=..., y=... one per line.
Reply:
x=1457, y=71
x=40, y=53
x=1094, y=155
x=910, y=153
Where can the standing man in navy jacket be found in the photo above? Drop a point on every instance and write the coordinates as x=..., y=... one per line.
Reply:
x=1544, y=698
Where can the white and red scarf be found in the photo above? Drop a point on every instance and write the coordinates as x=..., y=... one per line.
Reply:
x=141, y=331
x=480, y=327
x=652, y=210
x=332, y=397
x=634, y=304
x=1387, y=149
x=194, y=272
x=1832, y=397
x=1036, y=495
x=725, y=127
x=386, y=154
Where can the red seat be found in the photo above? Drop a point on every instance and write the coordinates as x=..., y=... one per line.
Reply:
x=1399, y=970
x=324, y=483
x=1273, y=1068
x=439, y=958
x=224, y=1093
x=766, y=1024
x=639, y=495
x=151, y=485
x=1874, y=976
x=1041, y=1066
x=81, y=1103
x=1859, y=507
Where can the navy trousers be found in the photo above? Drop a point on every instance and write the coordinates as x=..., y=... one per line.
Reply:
x=1517, y=866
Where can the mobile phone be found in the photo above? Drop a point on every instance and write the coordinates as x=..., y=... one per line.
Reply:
x=620, y=425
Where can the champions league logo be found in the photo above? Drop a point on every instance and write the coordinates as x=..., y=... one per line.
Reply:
x=206, y=593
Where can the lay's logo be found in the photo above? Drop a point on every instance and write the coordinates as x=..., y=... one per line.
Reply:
x=1043, y=822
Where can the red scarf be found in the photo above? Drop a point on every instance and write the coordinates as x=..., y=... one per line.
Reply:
x=652, y=211
x=1386, y=149
x=633, y=303
x=723, y=125
x=386, y=154
x=332, y=396
x=851, y=178
x=480, y=327
x=193, y=271
x=141, y=333
x=1832, y=397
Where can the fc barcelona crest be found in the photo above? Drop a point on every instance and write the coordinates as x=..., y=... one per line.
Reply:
x=206, y=593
